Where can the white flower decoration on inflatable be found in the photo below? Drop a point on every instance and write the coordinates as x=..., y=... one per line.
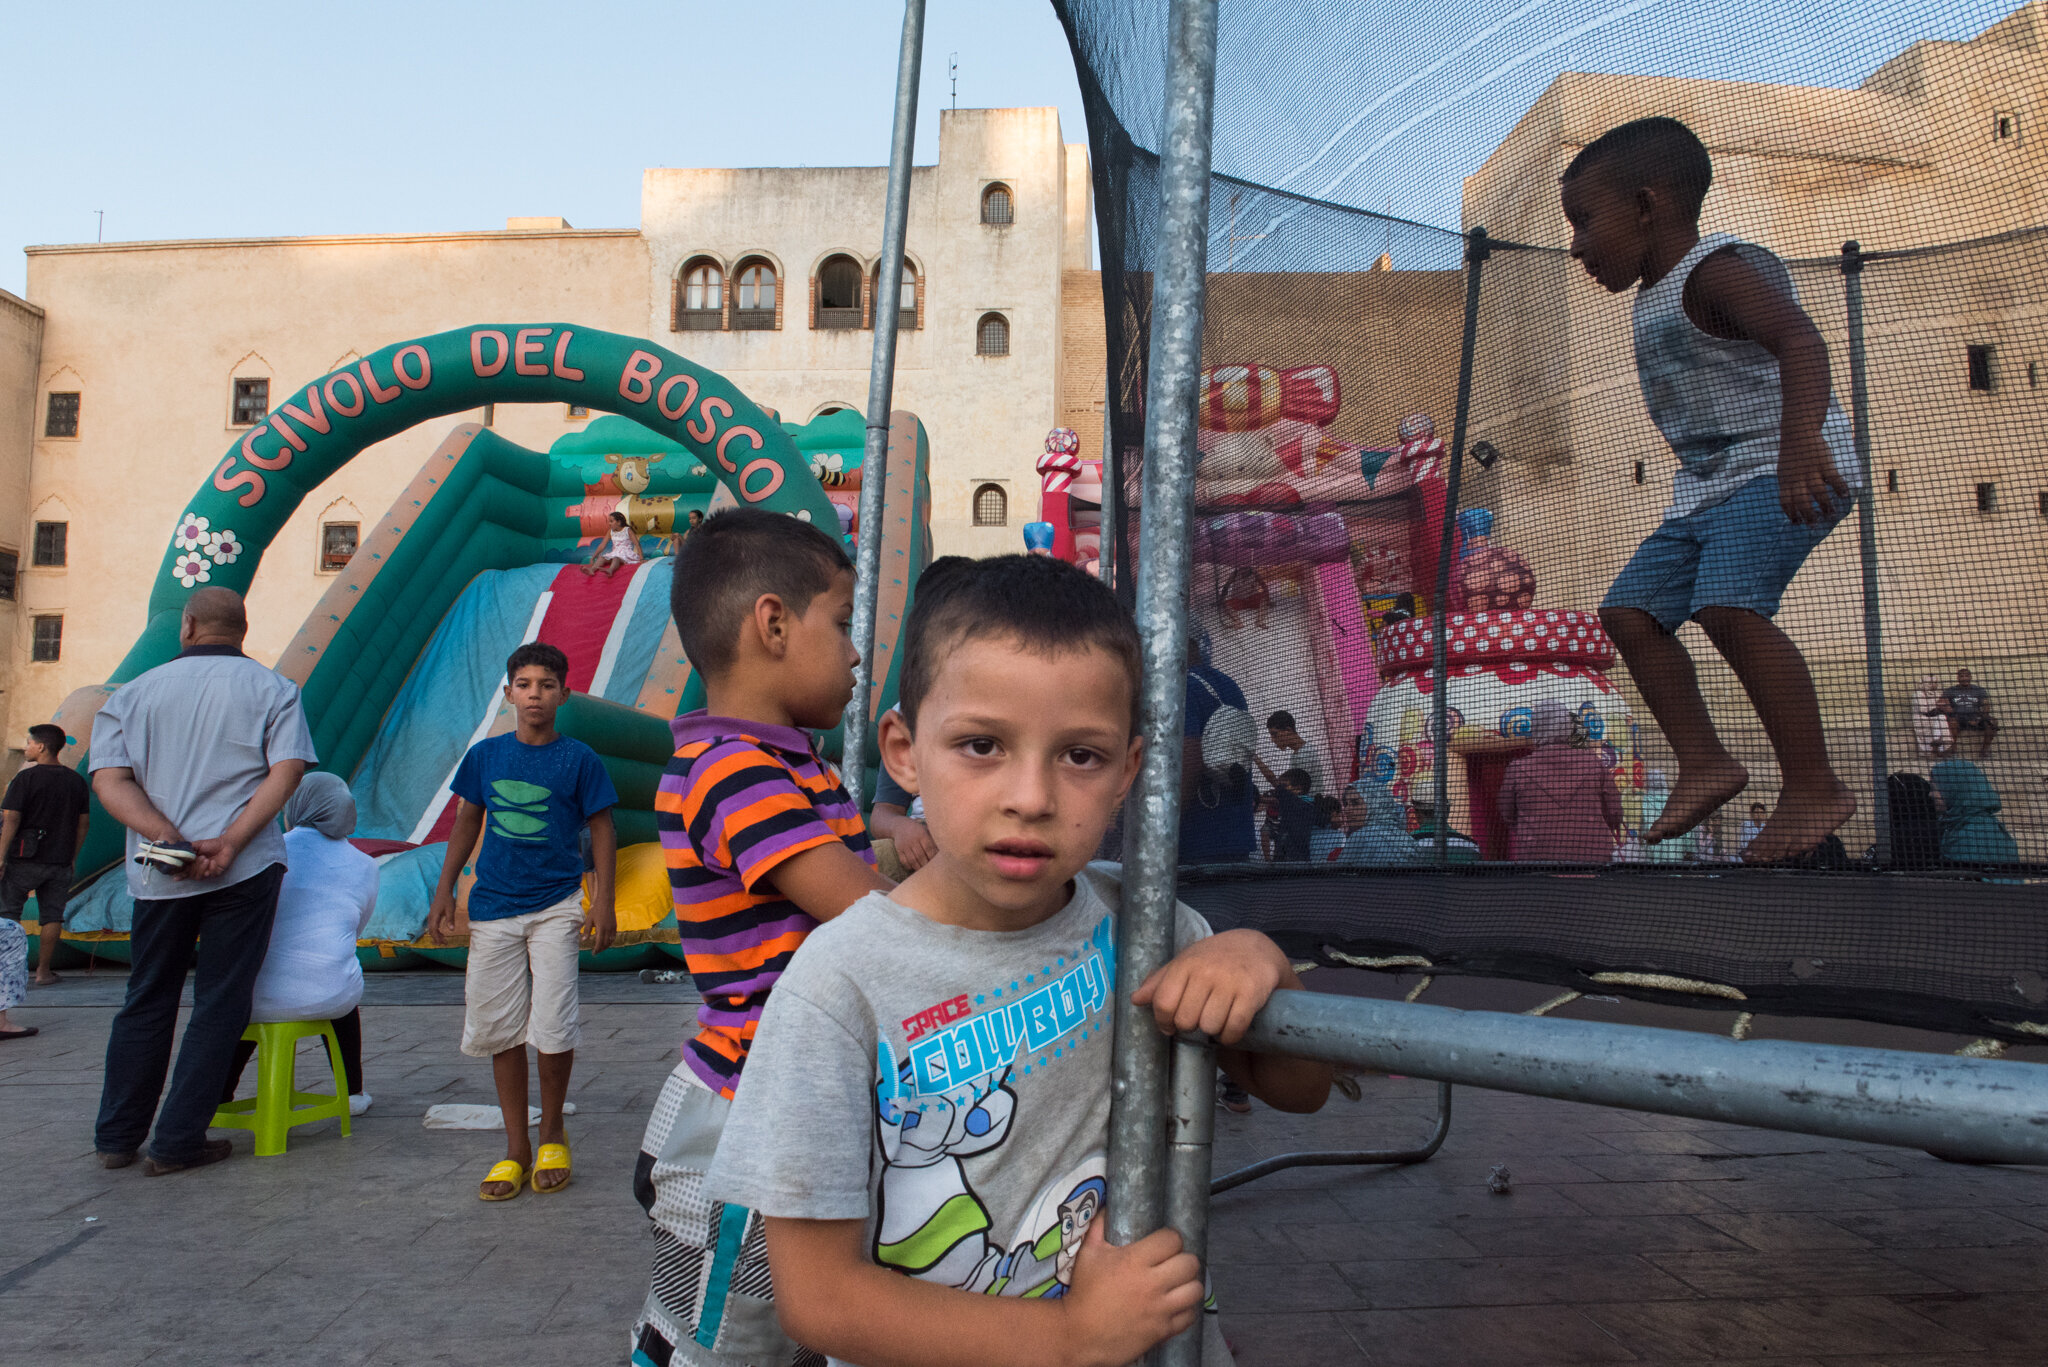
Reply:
x=225, y=547
x=191, y=569
x=191, y=534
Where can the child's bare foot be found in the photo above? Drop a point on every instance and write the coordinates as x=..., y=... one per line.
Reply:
x=1802, y=819
x=504, y=1191
x=1702, y=787
x=547, y=1179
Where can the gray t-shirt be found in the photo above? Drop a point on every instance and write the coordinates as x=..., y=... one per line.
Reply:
x=201, y=733
x=1718, y=401
x=948, y=1086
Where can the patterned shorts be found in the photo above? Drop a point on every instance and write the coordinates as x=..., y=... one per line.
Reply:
x=709, y=1303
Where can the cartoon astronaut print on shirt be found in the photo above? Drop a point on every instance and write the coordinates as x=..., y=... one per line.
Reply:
x=945, y=1109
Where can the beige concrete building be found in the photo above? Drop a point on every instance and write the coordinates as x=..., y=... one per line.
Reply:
x=21, y=345
x=133, y=366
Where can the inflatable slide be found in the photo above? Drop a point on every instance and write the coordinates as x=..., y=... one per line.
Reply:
x=402, y=661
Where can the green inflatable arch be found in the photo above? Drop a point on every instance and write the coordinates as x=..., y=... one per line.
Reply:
x=307, y=437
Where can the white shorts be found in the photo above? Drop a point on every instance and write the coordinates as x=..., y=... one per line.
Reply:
x=521, y=984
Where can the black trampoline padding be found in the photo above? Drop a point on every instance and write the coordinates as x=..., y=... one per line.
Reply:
x=1934, y=953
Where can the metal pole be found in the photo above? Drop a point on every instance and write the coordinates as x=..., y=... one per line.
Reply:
x=1112, y=484
x=1476, y=252
x=1974, y=1110
x=1189, y=1151
x=1866, y=532
x=1137, y=1118
x=874, y=467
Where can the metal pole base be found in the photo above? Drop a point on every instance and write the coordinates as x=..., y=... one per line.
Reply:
x=1346, y=1158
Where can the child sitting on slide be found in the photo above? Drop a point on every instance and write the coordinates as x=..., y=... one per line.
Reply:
x=621, y=548
x=1735, y=376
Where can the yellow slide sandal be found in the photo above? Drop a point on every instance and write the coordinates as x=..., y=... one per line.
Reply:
x=553, y=1158
x=504, y=1170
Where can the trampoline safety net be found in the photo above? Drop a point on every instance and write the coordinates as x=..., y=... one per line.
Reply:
x=1444, y=720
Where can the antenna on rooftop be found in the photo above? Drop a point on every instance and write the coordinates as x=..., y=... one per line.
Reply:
x=953, y=74
x=103, y=224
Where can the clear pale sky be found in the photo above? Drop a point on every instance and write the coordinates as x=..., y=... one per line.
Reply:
x=222, y=119
x=248, y=120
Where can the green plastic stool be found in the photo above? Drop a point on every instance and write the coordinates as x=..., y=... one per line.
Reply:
x=277, y=1107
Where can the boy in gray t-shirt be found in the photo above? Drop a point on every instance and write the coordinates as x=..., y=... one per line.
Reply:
x=927, y=1100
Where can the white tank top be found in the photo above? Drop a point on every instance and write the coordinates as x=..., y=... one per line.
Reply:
x=1716, y=401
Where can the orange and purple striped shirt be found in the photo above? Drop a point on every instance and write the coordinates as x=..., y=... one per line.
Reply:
x=738, y=799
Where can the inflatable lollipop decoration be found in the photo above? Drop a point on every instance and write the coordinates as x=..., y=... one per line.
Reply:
x=1420, y=444
x=1057, y=467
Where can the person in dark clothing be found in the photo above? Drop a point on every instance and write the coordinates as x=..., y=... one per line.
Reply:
x=43, y=820
x=1294, y=812
x=1915, y=822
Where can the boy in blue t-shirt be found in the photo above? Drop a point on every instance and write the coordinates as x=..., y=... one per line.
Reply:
x=538, y=789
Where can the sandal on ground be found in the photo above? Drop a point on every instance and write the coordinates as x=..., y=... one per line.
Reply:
x=504, y=1170
x=22, y=1032
x=553, y=1158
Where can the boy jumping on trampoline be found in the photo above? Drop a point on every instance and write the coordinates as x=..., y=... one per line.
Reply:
x=1735, y=376
x=926, y=1109
x=762, y=843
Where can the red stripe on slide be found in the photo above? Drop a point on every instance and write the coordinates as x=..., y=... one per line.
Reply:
x=580, y=616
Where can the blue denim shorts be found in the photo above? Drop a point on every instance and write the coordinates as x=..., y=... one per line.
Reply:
x=1740, y=553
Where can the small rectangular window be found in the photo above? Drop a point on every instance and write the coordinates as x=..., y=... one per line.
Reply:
x=252, y=402
x=577, y=410
x=1639, y=472
x=1891, y=481
x=2033, y=374
x=490, y=415
x=10, y=564
x=1987, y=498
x=61, y=419
x=1980, y=368
x=337, y=544
x=2043, y=497
x=49, y=640
x=2005, y=127
x=50, y=542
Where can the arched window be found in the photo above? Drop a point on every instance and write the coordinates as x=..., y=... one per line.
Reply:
x=992, y=335
x=754, y=301
x=839, y=293
x=700, y=297
x=996, y=208
x=907, y=316
x=991, y=506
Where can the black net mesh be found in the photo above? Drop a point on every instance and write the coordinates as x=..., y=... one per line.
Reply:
x=1347, y=529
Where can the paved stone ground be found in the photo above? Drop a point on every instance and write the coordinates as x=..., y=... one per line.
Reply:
x=1626, y=1237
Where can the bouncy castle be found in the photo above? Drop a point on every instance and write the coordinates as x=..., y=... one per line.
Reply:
x=1317, y=561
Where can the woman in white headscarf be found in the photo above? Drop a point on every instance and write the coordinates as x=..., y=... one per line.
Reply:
x=1558, y=800
x=330, y=888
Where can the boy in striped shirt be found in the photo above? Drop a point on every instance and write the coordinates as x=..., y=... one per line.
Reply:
x=762, y=844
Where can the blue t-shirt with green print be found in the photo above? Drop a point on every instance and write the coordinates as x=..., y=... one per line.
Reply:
x=536, y=799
